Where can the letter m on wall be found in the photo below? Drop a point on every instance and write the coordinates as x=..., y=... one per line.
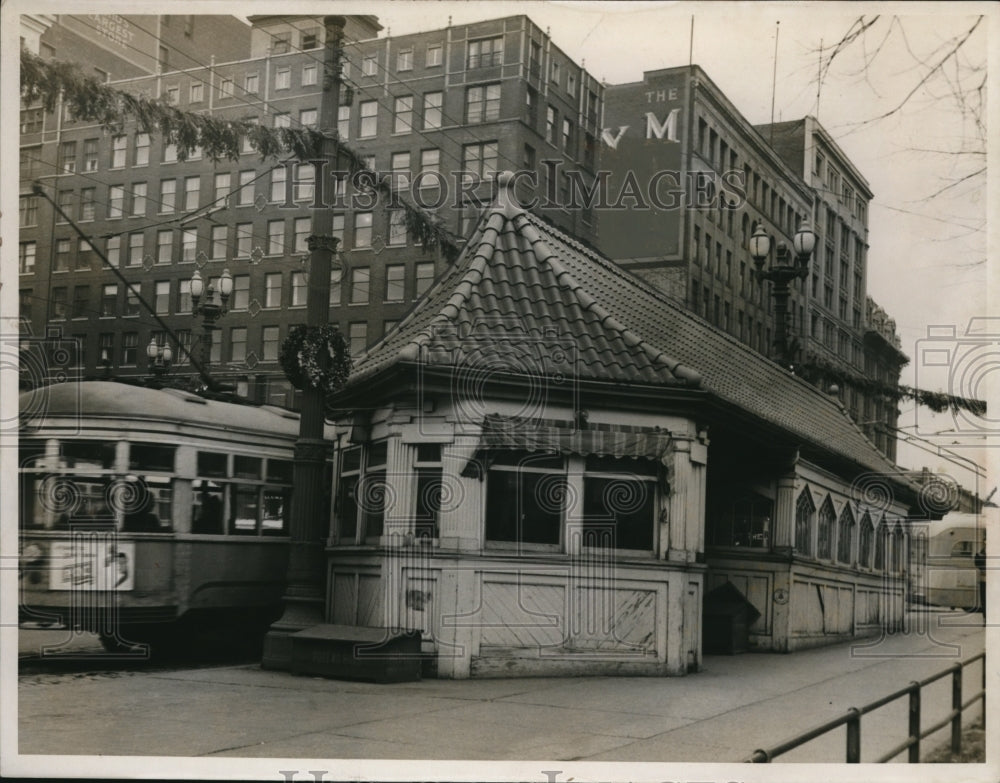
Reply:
x=665, y=130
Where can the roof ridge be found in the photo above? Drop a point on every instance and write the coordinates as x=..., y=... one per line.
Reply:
x=629, y=337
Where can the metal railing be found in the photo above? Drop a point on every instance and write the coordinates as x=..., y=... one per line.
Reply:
x=852, y=719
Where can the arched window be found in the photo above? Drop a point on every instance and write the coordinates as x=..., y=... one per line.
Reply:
x=865, y=541
x=880, y=536
x=845, y=535
x=898, y=559
x=824, y=538
x=804, y=511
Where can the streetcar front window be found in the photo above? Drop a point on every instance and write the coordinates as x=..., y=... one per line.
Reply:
x=88, y=455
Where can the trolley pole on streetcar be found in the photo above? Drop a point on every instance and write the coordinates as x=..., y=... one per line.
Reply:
x=304, y=594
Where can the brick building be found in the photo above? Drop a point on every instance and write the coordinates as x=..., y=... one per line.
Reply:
x=463, y=100
x=708, y=178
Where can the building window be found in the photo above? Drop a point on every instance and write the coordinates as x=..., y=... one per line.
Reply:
x=26, y=257
x=220, y=237
x=619, y=503
x=404, y=60
x=223, y=184
x=567, y=135
x=251, y=83
x=279, y=176
x=241, y=292
x=141, y=149
x=238, y=344
x=369, y=65
x=226, y=88
x=282, y=78
x=269, y=343
x=81, y=301
x=161, y=299
x=805, y=509
x=164, y=246
x=308, y=118
x=281, y=42
x=400, y=164
x=113, y=250
x=308, y=75
x=302, y=228
x=272, y=290
x=275, y=237
x=109, y=300
x=369, y=119
x=139, y=199
x=336, y=276
x=881, y=533
x=362, y=230
x=168, y=193
x=360, y=285
x=184, y=295
x=90, y=153
x=245, y=194
x=299, y=290
x=136, y=246
x=130, y=349
x=745, y=522
x=172, y=95
x=825, y=527
x=845, y=535
x=357, y=336
x=433, y=101
x=67, y=157
x=305, y=183
x=189, y=244
x=59, y=295
x=192, y=186
x=131, y=301
x=519, y=485
x=485, y=52
x=119, y=145
x=395, y=279
x=550, y=125
x=64, y=200
x=337, y=230
x=435, y=54
x=480, y=160
x=482, y=103
x=430, y=163
x=283, y=120
x=397, y=227
x=197, y=93
x=84, y=254
x=424, y=276
x=169, y=153
x=402, y=121
x=27, y=211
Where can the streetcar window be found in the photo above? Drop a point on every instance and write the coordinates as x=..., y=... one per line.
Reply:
x=145, y=457
x=30, y=453
x=276, y=506
x=88, y=454
x=207, y=508
x=279, y=471
x=245, y=507
x=247, y=467
x=212, y=464
x=144, y=502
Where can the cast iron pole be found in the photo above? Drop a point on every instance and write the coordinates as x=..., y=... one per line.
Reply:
x=304, y=594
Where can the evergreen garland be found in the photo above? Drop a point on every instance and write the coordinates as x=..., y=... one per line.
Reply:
x=816, y=370
x=87, y=98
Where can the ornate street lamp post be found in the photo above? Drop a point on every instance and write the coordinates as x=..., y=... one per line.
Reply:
x=211, y=308
x=160, y=357
x=781, y=271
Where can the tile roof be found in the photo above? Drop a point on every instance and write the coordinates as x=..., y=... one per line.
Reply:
x=519, y=279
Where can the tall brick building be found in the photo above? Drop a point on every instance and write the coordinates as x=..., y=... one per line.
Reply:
x=466, y=100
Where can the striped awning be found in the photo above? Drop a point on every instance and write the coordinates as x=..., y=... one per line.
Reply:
x=566, y=437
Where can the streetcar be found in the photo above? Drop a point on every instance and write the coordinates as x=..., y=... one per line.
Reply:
x=943, y=568
x=149, y=515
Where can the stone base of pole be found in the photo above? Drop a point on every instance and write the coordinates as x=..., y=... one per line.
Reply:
x=301, y=612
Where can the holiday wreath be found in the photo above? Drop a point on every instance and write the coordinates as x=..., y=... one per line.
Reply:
x=301, y=353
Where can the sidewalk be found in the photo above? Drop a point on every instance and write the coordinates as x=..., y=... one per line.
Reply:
x=737, y=704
